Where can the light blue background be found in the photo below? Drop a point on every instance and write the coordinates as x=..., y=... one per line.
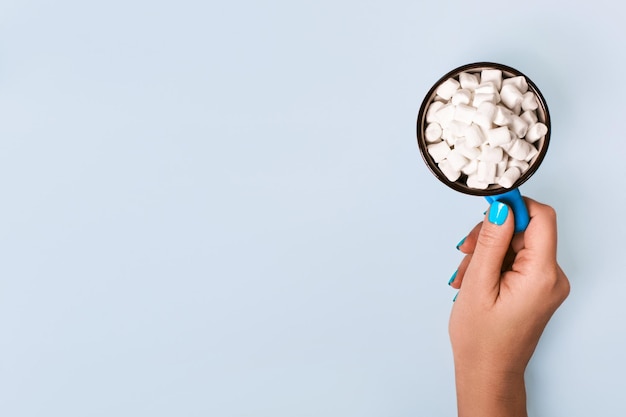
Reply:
x=219, y=209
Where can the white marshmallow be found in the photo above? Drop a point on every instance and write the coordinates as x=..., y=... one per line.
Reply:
x=474, y=136
x=469, y=152
x=509, y=177
x=492, y=75
x=464, y=113
x=474, y=182
x=470, y=168
x=491, y=154
x=519, y=126
x=502, y=116
x=529, y=117
x=445, y=134
x=456, y=160
x=519, y=82
x=468, y=81
x=482, y=120
x=432, y=109
x=458, y=128
x=511, y=97
x=449, y=171
x=462, y=96
x=447, y=88
x=451, y=140
x=486, y=172
x=519, y=149
x=466, y=150
x=488, y=109
x=533, y=152
x=439, y=151
x=529, y=101
x=522, y=165
x=433, y=132
x=500, y=169
x=498, y=136
x=506, y=146
x=536, y=132
x=486, y=88
x=480, y=98
x=445, y=115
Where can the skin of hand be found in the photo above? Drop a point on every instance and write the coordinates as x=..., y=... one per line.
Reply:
x=509, y=287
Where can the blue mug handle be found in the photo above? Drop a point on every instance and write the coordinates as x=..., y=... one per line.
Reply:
x=514, y=200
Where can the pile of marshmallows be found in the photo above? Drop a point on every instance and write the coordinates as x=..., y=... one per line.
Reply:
x=485, y=127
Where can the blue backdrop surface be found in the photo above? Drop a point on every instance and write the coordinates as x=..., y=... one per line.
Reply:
x=219, y=208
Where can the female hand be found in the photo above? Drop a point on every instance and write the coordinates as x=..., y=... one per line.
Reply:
x=509, y=288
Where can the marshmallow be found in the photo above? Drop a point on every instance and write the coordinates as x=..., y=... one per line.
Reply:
x=433, y=132
x=500, y=169
x=511, y=97
x=462, y=96
x=474, y=182
x=447, y=88
x=480, y=98
x=529, y=101
x=519, y=82
x=533, y=152
x=438, y=151
x=445, y=115
x=456, y=160
x=519, y=149
x=482, y=120
x=490, y=154
x=486, y=88
x=498, y=136
x=529, y=117
x=519, y=126
x=522, y=165
x=466, y=150
x=458, y=128
x=432, y=109
x=509, y=177
x=492, y=75
x=486, y=172
x=536, y=132
x=474, y=136
x=468, y=81
x=488, y=109
x=502, y=116
x=449, y=171
x=464, y=113
x=470, y=168
x=506, y=146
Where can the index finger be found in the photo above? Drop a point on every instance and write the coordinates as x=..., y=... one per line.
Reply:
x=541, y=235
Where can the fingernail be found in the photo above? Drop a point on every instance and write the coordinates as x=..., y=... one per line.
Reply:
x=453, y=277
x=454, y=299
x=458, y=245
x=498, y=213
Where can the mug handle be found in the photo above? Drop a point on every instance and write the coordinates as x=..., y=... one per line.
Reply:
x=514, y=200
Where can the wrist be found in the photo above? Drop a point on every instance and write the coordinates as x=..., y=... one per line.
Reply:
x=484, y=392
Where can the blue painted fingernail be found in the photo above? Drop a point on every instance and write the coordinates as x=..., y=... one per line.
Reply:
x=458, y=245
x=454, y=299
x=498, y=213
x=453, y=277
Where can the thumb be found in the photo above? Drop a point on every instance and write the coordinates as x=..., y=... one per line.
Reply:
x=483, y=272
